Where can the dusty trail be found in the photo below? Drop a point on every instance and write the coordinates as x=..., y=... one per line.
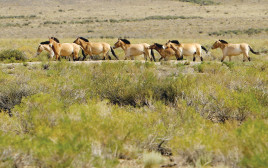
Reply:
x=174, y=62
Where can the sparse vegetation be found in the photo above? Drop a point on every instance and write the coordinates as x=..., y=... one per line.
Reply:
x=121, y=110
x=18, y=17
x=250, y=31
x=200, y=2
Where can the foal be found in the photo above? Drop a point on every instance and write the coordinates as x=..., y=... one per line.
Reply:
x=91, y=48
x=230, y=50
x=132, y=50
x=186, y=49
x=64, y=49
x=163, y=52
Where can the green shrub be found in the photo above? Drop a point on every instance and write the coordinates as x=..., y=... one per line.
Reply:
x=12, y=55
x=253, y=138
x=75, y=115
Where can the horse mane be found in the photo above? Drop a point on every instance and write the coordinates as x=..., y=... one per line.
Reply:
x=223, y=41
x=55, y=39
x=158, y=45
x=175, y=41
x=44, y=42
x=125, y=41
x=84, y=39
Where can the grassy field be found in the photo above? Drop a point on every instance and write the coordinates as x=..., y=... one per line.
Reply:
x=115, y=114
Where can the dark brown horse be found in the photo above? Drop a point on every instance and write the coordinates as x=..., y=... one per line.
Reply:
x=164, y=53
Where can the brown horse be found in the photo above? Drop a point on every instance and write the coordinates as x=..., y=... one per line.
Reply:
x=186, y=49
x=233, y=49
x=132, y=50
x=168, y=52
x=64, y=49
x=91, y=48
x=45, y=46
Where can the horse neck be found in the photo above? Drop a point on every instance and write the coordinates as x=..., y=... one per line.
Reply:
x=84, y=44
x=56, y=47
x=160, y=50
x=125, y=46
x=222, y=46
x=174, y=46
x=47, y=48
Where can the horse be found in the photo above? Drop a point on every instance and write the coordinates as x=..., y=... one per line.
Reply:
x=91, y=48
x=64, y=49
x=163, y=52
x=132, y=50
x=186, y=49
x=45, y=46
x=230, y=50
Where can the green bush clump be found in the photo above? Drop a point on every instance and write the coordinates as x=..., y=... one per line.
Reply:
x=12, y=55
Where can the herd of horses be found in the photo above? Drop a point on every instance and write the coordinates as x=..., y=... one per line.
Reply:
x=171, y=48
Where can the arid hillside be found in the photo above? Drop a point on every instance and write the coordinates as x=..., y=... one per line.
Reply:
x=133, y=19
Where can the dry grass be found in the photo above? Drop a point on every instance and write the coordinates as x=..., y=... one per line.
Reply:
x=96, y=18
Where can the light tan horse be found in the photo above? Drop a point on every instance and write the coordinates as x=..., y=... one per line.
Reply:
x=91, y=48
x=64, y=49
x=164, y=53
x=132, y=50
x=186, y=49
x=233, y=49
x=45, y=46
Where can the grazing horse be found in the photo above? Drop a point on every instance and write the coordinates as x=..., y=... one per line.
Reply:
x=132, y=50
x=64, y=49
x=186, y=49
x=45, y=46
x=163, y=52
x=233, y=49
x=91, y=48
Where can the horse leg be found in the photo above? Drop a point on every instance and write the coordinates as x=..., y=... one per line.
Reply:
x=132, y=57
x=194, y=56
x=230, y=58
x=199, y=53
x=127, y=55
x=161, y=58
x=76, y=56
x=247, y=56
x=107, y=55
x=223, y=57
x=145, y=56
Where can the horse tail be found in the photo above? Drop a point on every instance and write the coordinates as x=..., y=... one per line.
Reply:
x=114, y=53
x=152, y=53
x=257, y=53
x=204, y=49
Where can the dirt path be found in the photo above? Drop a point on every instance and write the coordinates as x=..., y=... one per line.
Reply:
x=110, y=61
